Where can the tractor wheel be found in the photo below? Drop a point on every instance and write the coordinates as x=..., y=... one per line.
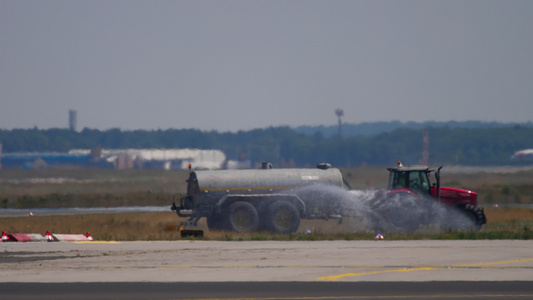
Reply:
x=282, y=217
x=242, y=217
x=480, y=216
x=467, y=218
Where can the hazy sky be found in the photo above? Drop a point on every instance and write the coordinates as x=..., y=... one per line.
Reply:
x=240, y=65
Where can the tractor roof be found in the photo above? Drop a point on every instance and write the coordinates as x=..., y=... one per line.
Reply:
x=414, y=168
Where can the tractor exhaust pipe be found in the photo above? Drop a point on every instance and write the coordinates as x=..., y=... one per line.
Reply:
x=437, y=176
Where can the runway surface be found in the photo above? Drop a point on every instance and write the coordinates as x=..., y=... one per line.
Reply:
x=377, y=269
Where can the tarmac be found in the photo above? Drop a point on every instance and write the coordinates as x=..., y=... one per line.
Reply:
x=267, y=261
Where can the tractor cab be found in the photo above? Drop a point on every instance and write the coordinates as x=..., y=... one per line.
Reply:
x=414, y=179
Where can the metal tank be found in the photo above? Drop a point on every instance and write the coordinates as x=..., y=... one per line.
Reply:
x=264, y=181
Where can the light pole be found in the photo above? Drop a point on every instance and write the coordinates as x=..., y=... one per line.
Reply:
x=339, y=112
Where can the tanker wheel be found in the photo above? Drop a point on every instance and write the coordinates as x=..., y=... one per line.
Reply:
x=282, y=217
x=242, y=217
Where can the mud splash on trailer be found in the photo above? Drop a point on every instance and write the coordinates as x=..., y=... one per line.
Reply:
x=375, y=210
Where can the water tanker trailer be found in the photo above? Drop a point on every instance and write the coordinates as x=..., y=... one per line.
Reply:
x=258, y=199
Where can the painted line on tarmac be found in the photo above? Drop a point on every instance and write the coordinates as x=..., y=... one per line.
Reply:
x=335, y=277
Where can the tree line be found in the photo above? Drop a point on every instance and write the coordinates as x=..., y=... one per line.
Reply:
x=284, y=146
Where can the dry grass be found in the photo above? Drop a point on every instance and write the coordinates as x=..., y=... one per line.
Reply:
x=504, y=223
x=121, y=227
x=16, y=183
x=507, y=214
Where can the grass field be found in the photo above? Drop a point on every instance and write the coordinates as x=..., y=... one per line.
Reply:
x=504, y=223
x=109, y=188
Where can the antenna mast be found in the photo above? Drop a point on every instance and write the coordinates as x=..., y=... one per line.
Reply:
x=339, y=112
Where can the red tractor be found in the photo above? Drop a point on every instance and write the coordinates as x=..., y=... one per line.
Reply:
x=413, y=199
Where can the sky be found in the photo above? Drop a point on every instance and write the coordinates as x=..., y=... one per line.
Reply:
x=243, y=65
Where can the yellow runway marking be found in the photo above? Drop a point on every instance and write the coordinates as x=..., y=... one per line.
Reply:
x=335, y=277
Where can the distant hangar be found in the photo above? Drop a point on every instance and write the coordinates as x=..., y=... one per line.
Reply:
x=161, y=158
x=118, y=159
